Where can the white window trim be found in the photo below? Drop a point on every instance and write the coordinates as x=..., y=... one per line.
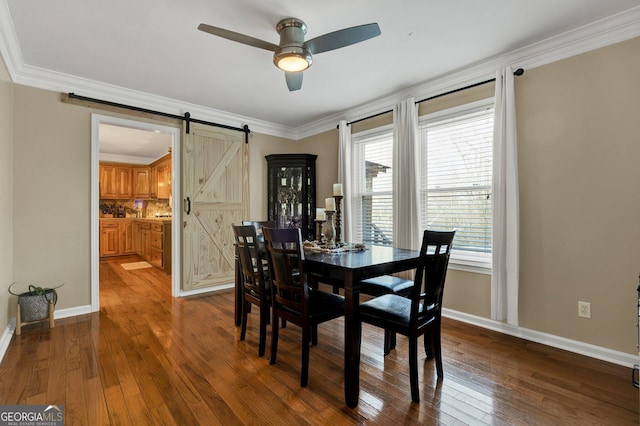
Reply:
x=480, y=263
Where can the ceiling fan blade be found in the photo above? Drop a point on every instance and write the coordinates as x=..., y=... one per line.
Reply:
x=294, y=80
x=342, y=38
x=237, y=37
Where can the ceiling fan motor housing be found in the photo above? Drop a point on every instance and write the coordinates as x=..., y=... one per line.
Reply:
x=291, y=48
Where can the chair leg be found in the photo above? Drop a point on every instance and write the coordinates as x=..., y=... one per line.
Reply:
x=428, y=345
x=413, y=368
x=18, y=320
x=314, y=335
x=264, y=319
x=274, y=339
x=304, y=374
x=245, y=313
x=437, y=349
x=389, y=341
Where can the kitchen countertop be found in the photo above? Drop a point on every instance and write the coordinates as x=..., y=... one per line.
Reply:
x=140, y=219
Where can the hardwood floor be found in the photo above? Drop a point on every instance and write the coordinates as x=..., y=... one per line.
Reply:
x=146, y=358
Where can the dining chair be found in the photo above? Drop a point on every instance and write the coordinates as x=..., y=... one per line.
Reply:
x=259, y=224
x=292, y=298
x=421, y=313
x=256, y=289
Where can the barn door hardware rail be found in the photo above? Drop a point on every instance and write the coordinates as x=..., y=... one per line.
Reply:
x=187, y=116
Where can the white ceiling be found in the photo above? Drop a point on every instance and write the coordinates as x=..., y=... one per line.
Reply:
x=152, y=47
x=131, y=145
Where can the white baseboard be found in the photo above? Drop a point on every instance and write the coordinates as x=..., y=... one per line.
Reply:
x=587, y=349
x=186, y=293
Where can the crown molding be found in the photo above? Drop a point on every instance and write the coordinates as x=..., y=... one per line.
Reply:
x=616, y=28
x=128, y=159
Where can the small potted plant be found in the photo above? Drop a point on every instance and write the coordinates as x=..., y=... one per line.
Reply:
x=35, y=305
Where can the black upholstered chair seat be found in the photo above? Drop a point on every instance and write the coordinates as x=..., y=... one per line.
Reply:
x=324, y=306
x=392, y=309
x=386, y=284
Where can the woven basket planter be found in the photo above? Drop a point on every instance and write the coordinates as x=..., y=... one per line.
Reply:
x=35, y=305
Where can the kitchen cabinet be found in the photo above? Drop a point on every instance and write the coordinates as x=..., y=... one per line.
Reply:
x=109, y=238
x=164, y=180
x=127, y=181
x=291, y=191
x=116, y=237
x=126, y=233
x=116, y=181
x=141, y=183
x=160, y=255
x=142, y=240
x=161, y=178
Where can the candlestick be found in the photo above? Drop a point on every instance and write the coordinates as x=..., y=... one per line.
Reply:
x=338, y=199
x=329, y=229
x=320, y=214
x=319, y=223
x=330, y=204
x=337, y=189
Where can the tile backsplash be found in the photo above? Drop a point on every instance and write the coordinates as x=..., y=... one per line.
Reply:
x=147, y=208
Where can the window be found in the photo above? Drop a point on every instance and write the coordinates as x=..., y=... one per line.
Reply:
x=456, y=180
x=373, y=187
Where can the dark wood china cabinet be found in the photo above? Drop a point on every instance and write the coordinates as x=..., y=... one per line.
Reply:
x=291, y=191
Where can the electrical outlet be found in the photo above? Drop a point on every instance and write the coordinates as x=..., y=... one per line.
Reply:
x=584, y=309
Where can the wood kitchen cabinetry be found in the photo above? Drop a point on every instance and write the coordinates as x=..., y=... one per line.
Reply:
x=142, y=233
x=116, y=237
x=116, y=181
x=160, y=179
x=161, y=246
x=127, y=181
x=109, y=238
x=148, y=238
x=141, y=180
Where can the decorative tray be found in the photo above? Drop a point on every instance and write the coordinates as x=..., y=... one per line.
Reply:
x=315, y=246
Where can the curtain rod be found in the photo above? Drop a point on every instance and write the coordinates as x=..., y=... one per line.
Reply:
x=186, y=117
x=518, y=72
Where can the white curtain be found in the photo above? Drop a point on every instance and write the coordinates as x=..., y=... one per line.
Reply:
x=506, y=233
x=344, y=177
x=406, y=185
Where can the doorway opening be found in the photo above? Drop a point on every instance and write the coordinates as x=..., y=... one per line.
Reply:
x=141, y=170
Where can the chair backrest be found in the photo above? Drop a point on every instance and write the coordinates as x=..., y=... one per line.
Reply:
x=289, y=289
x=430, y=275
x=259, y=224
x=250, y=261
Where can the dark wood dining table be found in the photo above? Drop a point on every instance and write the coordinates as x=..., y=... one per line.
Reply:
x=349, y=268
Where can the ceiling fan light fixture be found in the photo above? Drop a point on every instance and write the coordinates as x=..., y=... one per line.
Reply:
x=292, y=58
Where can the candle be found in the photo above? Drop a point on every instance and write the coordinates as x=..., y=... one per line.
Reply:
x=337, y=189
x=330, y=204
x=320, y=214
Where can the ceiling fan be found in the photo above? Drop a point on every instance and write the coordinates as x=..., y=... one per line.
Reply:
x=294, y=55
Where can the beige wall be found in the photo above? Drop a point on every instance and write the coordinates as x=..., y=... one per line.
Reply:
x=52, y=144
x=578, y=151
x=6, y=194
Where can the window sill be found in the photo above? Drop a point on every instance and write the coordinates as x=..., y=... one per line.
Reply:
x=470, y=266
